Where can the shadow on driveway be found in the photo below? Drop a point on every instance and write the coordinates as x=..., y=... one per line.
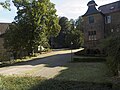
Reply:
x=49, y=61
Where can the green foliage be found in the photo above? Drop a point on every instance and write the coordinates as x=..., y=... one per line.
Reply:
x=69, y=33
x=65, y=29
x=74, y=35
x=112, y=48
x=112, y=65
x=35, y=23
x=79, y=24
x=4, y=56
x=6, y=4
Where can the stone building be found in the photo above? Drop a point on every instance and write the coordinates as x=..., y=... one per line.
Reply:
x=3, y=27
x=99, y=24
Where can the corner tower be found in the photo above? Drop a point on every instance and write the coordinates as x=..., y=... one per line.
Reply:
x=91, y=8
x=93, y=28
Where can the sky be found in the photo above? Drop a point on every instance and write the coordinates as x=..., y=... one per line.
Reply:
x=71, y=9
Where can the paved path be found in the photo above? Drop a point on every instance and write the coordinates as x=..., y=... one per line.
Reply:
x=48, y=65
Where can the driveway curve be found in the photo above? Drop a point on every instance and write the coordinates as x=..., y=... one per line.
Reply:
x=46, y=65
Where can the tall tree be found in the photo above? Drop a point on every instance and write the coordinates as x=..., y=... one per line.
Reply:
x=69, y=33
x=35, y=23
x=65, y=29
x=75, y=36
x=79, y=24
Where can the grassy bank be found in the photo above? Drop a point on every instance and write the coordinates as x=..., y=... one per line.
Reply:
x=37, y=83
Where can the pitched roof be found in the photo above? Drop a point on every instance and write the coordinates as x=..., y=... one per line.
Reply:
x=91, y=10
x=109, y=8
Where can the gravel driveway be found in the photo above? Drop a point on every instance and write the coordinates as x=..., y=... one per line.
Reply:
x=48, y=65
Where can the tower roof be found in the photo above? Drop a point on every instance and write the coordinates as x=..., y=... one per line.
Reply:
x=91, y=3
x=91, y=8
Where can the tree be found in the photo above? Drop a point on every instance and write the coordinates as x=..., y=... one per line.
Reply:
x=112, y=47
x=69, y=33
x=65, y=29
x=35, y=23
x=79, y=24
x=6, y=4
x=75, y=36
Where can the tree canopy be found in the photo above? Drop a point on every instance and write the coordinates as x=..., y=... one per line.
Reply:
x=35, y=23
x=69, y=33
x=6, y=4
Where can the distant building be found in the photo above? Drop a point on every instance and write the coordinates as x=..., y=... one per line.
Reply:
x=99, y=24
x=3, y=28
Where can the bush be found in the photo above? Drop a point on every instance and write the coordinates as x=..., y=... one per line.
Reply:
x=92, y=52
x=112, y=47
x=112, y=65
x=4, y=57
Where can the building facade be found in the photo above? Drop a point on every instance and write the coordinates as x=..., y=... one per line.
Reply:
x=3, y=28
x=99, y=24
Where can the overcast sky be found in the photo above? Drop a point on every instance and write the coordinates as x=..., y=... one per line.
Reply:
x=69, y=8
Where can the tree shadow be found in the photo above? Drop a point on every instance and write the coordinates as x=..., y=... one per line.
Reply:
x=92, y=76
x=53, y=84
x=77, y=76
x=49, y=61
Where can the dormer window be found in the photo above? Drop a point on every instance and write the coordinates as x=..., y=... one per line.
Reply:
x=100, y=10
x=108, y=19
x=111, y=8
x=91, y=19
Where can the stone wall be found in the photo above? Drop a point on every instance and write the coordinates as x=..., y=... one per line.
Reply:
x=114, y=26
x=3, y=27
x=97, y=26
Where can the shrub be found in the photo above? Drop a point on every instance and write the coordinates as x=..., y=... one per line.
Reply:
x=4, y=57
x=112, y=48
x=112, y=65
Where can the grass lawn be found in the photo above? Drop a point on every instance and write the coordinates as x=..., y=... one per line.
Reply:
x=37, y=83
x=77, y=76
x=88, y=72
x=18, y=83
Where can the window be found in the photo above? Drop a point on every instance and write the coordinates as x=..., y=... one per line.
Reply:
x=92, y=35
x=111, y=8
x=94, y=32
x=108, y=19
x=95, y=37
x=91, y=19
x=112, y=30
x=117, y=30
x=90, y=38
